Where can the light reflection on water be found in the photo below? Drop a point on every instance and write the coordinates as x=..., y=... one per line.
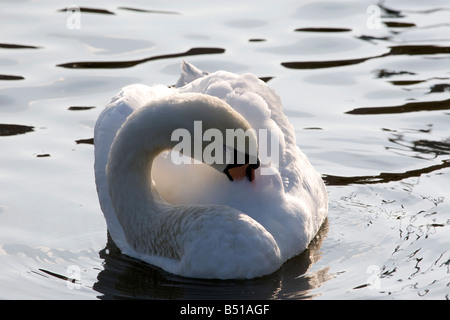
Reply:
x=370, y=107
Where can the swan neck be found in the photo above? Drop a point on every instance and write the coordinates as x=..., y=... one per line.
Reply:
x=147, y=220
x=140, y=210
x=131, y=158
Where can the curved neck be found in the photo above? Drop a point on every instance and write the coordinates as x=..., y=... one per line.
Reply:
x=143, y=136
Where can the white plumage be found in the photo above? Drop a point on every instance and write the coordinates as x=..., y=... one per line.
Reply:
x=191, y=220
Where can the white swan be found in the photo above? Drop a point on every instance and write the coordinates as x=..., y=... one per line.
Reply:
x=190, y=219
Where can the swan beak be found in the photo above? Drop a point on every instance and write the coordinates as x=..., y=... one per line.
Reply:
x=241, y=172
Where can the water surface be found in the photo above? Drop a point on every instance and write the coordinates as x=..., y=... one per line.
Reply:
x=366, y=85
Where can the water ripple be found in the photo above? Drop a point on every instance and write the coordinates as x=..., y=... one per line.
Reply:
x=404, y=108
x=394, y=51
x=383, y=177
x=132, y=63
x=148, y=11
x=323, y=29
x=10, y=77
x=87, y=10
x=14, y=129
x=16, y=46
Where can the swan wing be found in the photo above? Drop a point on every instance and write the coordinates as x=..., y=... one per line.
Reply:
x=189, y=73
x=262, y=108
x=293, y=178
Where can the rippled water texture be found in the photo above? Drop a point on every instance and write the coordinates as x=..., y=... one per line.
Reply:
x=366, y=85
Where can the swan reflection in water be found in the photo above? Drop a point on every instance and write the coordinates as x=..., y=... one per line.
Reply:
x=124, y=277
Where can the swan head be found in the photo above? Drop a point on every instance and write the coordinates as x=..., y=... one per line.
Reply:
x=225, y=138
x=238, y=171
x=197, y=127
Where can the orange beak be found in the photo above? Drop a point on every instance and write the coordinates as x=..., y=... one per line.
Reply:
x=241, y=172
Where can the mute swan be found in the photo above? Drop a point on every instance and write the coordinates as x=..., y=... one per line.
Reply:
x=190, y=219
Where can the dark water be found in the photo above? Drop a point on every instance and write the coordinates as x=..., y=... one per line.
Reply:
x=366, y=85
